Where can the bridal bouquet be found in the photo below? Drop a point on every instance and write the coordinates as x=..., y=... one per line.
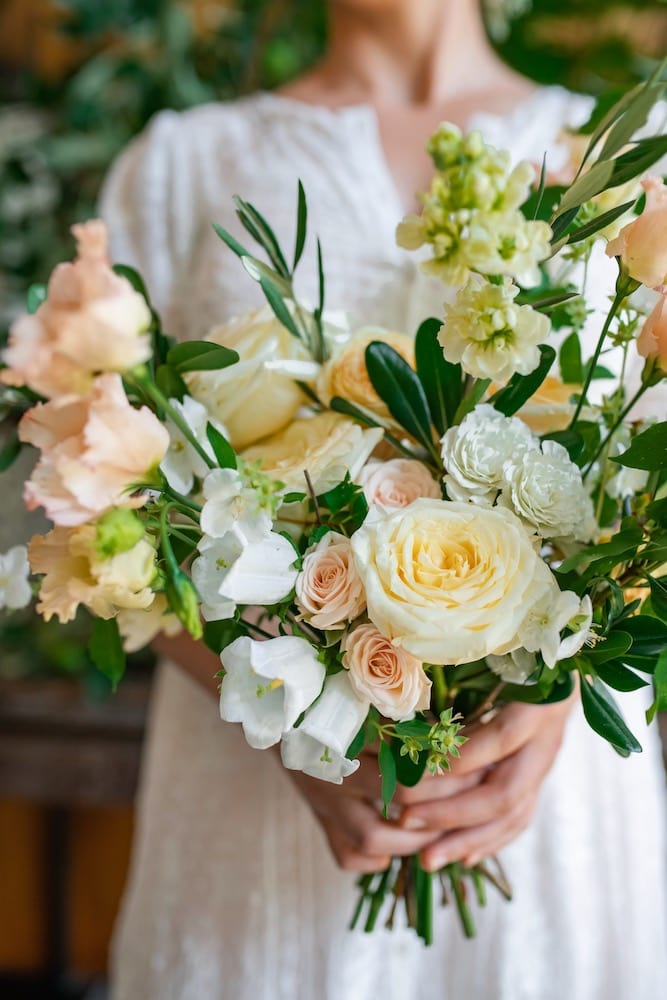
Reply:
x=383, y=537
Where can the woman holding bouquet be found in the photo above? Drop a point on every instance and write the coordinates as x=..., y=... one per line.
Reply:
x=243, y=875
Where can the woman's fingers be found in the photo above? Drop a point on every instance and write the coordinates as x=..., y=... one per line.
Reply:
x=436, y=786
x=348, y=857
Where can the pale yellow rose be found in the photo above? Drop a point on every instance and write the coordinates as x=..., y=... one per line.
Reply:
x=642, y=244
x=327, y=446
x=94, y=450
x=345, y=374
x=449, y=582
x=92, y=321
x=388, y=676
x=329, y=593
x=259, y=395
x=549, y=408
x=652, y=341
x=397, y=482
x=75, y=573
x=139, y=626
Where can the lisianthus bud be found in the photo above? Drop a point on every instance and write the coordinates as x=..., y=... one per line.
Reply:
x=642, y=244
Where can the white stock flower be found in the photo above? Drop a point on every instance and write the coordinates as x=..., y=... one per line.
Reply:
x=448, y=582
x=15, y=589
x=267, y=685
x=228, y=501
x=545, y=489
x=488, y=334
x=237, y=570
x=396, y=482
x=182, y=463
x=508, y=243
x=475, y=451
x=319, y=746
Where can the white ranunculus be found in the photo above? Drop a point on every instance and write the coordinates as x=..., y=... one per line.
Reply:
x=15, y=589
x=319, y=746
x=476, y=450
x=267, y=685
x=449, y=582
x=182, y=463
x=236, y=570
x=542, y=626
x=508, y=243
x=545, y=489
x=228, y=501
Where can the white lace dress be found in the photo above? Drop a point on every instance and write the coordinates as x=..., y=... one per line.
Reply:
x=233, y=893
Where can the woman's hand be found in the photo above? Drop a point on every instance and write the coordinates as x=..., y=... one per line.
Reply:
x=360, y=839
x=509, y=757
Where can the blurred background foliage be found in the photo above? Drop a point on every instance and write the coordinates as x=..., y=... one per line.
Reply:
x=81, y=77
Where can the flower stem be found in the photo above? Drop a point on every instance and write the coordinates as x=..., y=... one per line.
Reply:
x=621, y=293
x=455, y=872
x=439, y=689
x=614, y=427
x=160, y=400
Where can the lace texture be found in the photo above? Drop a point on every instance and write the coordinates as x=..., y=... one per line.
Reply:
x=233, y=894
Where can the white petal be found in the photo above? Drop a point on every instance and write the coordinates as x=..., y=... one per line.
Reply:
x=300, y=752
x=294, y=661
x=336, y=718
x=262, y=574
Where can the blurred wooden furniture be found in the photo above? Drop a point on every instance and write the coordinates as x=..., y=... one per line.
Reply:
x=68, y=773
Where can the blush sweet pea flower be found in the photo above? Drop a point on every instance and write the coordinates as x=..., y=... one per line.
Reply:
x=642, y=244
x=94, y=450
x=652, y=340
x=92, y=321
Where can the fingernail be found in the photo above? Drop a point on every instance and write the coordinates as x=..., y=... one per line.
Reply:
x=413, y=823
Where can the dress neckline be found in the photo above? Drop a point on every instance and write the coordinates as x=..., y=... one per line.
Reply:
x=364, y=115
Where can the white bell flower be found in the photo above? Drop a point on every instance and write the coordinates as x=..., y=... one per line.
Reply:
x=319, y=746
x=236, y=569
x=182, y=463
x=267, y=685
x=15, y=589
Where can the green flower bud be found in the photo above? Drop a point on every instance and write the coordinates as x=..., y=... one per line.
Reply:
x=118, y=530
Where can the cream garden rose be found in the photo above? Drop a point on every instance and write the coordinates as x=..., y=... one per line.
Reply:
x=329, y=592
x=326, y=446
x=388, y=676
x=448, y=582
x=92, y=321
x=345, y=374
x=259, y=395
x=396, y=482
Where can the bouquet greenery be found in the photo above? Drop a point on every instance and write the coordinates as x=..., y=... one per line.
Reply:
x=384, y=539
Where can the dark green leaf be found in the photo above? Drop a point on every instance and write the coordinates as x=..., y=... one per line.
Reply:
x=134, y=278
x=388, y=772
x=218, y=635
x=657, y=511
x=10, y=450
x=106, y=649
x=301, y=225
x=36, y=295
x=170, y=383
x=200, y=355
x=632, y=120
x=521, y=387
x=599, y=222
x=540, y=205
x=222, y=449
x=659, y=597
x=617, y=676
x=610, y=648
x=260, y=230
x=357, y=744
x=472, y=397
x=660, y=681
x=603, y=715
x=649, y=639
x=623, y=545
x=231, y=241
x=399, y=387
x=569, y=439
x=569, y=358
x=442, y=380
x=648, y=450
x=535, y=694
